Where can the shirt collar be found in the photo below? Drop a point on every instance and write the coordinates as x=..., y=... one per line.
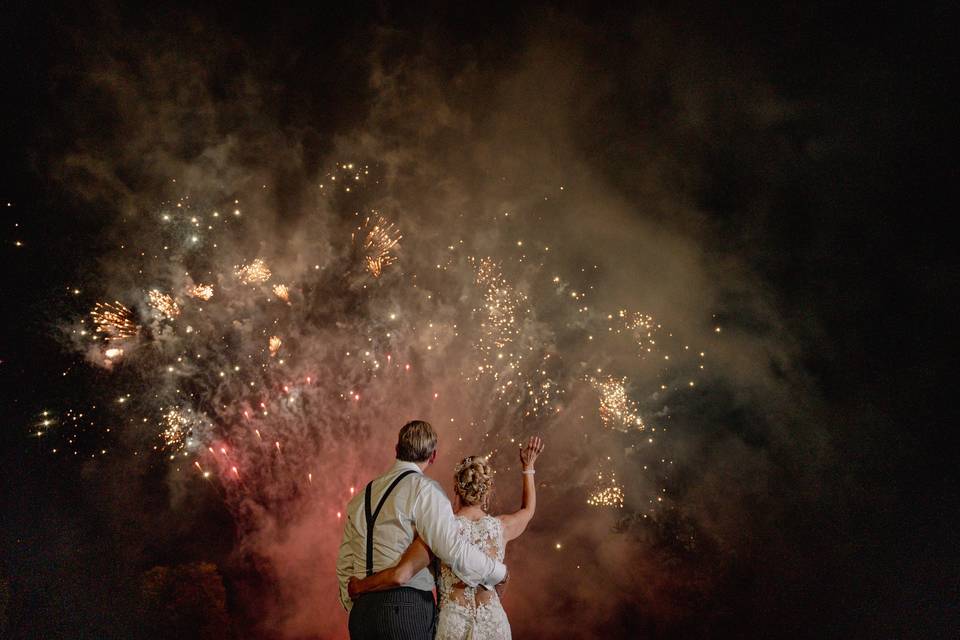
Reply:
x=402, y=465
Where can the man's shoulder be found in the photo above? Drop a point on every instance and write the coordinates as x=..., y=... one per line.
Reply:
x=417, y=482
x=428, y=491
x=420, y=482
x=354, y=502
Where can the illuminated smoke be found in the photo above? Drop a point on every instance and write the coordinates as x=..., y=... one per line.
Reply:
x=490, y=348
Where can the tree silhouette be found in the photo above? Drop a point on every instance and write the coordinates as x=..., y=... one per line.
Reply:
x=185, y=601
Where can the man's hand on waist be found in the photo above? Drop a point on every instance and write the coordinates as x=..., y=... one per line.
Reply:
x=502, y=585
x=497, y=586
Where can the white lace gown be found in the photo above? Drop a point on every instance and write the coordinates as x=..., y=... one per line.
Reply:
x=473, y=613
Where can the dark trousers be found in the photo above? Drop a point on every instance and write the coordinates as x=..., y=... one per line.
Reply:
x=405, y=614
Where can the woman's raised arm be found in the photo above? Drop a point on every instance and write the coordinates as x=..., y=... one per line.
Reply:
x=514, y=524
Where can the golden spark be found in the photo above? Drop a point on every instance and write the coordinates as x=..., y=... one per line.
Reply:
x=644, y=328
x=502, y=304
x=253, y=273
x=163, y=304
x=282, y=292
x=376, y=238
x=175, y=430
x=617, y=409
x=202, y=291
x=611, y=496
x=114, y=320
x=520, y=379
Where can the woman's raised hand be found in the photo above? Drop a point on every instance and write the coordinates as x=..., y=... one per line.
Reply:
x=529, y=453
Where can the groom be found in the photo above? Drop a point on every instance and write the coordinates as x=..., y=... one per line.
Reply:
x=381, y=524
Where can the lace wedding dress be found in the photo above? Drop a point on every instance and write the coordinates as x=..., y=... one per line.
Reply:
x=467, y=612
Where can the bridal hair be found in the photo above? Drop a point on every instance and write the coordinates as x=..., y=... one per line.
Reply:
x=472, y=480
x=417, y=441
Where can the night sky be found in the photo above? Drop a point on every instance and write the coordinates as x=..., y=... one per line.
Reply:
x=794, y=163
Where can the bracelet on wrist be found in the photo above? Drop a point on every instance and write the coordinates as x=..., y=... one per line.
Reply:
x=528, y=472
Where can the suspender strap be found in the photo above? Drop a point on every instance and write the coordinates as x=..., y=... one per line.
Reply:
x=372, y=518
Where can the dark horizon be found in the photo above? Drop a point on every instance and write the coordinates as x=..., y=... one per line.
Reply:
x=793, y=162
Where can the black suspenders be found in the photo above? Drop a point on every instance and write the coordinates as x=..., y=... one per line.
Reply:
x=372, y=518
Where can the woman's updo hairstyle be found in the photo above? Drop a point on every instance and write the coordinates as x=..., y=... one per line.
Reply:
x=472, y=480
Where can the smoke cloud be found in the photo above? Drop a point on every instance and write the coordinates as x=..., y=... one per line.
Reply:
x=577, y=181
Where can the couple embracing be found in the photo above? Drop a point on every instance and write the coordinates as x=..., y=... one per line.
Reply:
x=402, y=537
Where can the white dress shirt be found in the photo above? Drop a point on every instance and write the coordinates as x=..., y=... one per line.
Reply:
x=417, y=505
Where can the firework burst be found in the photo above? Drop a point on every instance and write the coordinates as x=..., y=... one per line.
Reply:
x=608, y=493
x=519, y=367
x=246, y=389
x=163, y=304
x=617, y=410
x=643, y=327
x=376, y=239
x=201, y=291
x=114, y=320
x=180, y=426
x=282, y=292
x=502, y=307
x=274, y=345
x=175, y=430
x=253, y=273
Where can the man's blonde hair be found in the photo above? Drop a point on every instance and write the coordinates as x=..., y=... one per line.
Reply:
x=417, y=441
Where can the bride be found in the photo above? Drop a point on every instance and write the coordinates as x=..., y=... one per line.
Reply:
x=468, y=612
